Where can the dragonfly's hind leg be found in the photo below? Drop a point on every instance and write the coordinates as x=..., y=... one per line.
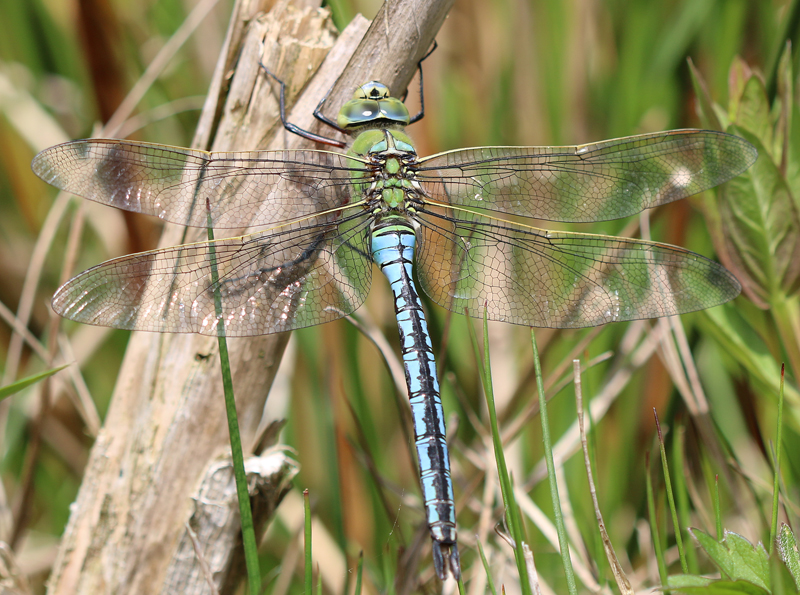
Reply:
x=294, y=128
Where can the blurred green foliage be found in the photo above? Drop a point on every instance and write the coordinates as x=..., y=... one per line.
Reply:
x=531, y=72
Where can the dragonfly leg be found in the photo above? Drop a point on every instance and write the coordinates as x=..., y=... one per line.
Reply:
x=421, y=113
x=294, y=128
x=325, y=119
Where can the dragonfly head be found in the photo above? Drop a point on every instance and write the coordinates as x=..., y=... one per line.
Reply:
x=372, y=106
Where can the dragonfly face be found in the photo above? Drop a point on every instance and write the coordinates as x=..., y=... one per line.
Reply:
x=328, y=216
x=372, y=104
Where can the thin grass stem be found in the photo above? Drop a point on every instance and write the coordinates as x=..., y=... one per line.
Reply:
x=717, y=512
x=506, y=484
x=654, y=532
x=359, y=573
x=486, y=569
x=307, y=567
x=684, y=511
x=670, y=497
x=563, y=543
x=245, y=513
x=773, y=529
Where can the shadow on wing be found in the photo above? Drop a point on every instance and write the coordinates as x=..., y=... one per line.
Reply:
x=559, y=280
x=268, y=282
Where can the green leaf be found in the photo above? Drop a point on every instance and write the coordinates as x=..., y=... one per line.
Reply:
x=787, y=549
x=680, y=581
x=19, y=385
x=755, y=221
x=760, y=228
x=738, y=75
x=681, y=584
x=737, y=558
x=753, y=113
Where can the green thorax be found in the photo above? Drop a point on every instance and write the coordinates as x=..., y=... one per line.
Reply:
x=378, y=120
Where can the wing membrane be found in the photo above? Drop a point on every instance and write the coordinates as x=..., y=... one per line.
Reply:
x=238, y=190
x=268, y=282
x=594, y=182
x=560, y=280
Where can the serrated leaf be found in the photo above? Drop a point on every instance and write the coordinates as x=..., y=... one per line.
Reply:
x=736, y=557
x=787, y=549
x=760, y=228
x=715, y=550
x=752, y=560
x=19, y=385
x=753, y=113
x=738, y=76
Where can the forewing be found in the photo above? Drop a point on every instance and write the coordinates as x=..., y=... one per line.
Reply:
x=267, y=283
x=560, y=280
x=594, y=182
x=185, y=186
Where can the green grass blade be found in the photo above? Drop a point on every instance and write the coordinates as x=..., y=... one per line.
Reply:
x=307, y=571
x=773, y=531
x=485, y=563
x=388, y=571
x=245, y=512
x=654, y=532
x=506, y=485
x=717, y=511
x=623, y=583
x=359, y=573
x=566, y=561
x=671, y=498
x=19, y=385
x=684, y=508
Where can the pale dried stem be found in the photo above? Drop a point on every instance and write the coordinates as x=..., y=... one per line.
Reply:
x=623, y=583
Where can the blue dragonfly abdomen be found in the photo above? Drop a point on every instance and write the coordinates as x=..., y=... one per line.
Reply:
x=393, y=241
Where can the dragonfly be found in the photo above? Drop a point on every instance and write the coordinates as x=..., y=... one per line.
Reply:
x=458, y=223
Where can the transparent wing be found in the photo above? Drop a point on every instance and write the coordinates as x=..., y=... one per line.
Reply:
x=268, y=282
x=185, y=186
x=594, y=182
x=560, y=280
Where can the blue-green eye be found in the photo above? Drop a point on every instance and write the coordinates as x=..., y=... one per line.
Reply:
x=370, y=103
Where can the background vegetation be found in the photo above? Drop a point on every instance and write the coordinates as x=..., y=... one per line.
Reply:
x=532, y=72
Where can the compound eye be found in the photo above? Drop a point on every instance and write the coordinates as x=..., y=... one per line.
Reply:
x=372, y=103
